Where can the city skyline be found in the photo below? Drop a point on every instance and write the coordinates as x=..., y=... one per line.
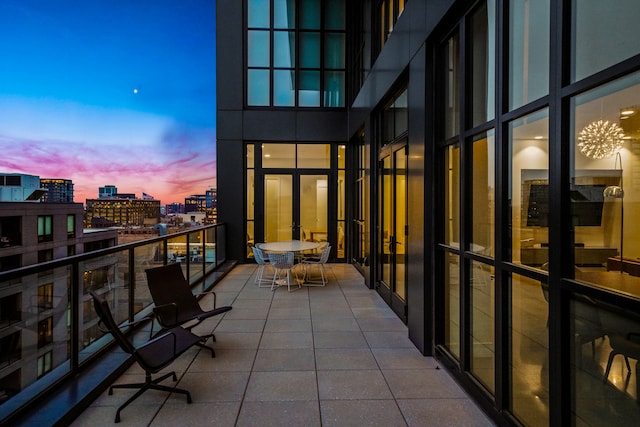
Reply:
x=110, y=93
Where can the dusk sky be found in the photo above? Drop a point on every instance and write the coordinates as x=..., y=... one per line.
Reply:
x=118, y=92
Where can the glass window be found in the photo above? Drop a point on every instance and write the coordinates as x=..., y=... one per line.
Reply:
x=451, y=95
x=603, y=366
x=310, y=50
x=483, y=194
x=258, y=12
x=483, y=62
x=284, y=49
x=45, y=297
x=45, y=332
x=529, y=30
x=335, y=16
x=452, y=303
x=258, y=49
x=310, y=14
x=45, y=363
x=604, y=33
x=452, y=195
x=71, y=226
x=483, y=345
x=334, y=90
x=309, y=93
x=284, y=13
x=529, y=347
x=284, y=88
x=279, y=156
x=603, y=188
x=529, y=189
x=334, y=56
x=45, y=228
x=315, y=156
x=258, y=87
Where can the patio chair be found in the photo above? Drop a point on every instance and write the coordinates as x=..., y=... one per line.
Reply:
x=263, y=261
x=175, y=303
x=318, y=261
x=152, y=356
x=282, y=264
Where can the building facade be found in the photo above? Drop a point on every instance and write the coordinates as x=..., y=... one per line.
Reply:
x=476, y=161
x=122, y=211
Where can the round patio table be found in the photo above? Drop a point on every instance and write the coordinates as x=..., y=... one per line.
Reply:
x=288, y=246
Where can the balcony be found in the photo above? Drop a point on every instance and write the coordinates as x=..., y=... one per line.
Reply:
x=334, y=355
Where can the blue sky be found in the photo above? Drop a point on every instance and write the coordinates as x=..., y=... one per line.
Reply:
x=117, y=92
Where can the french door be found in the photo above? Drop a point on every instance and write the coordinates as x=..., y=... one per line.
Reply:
x=392, y=208
x=296, y=206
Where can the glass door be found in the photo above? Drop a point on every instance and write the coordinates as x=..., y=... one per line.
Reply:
x=393, y=229
x=296, y=207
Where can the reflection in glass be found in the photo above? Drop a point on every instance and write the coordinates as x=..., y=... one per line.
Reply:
x=309, y=50
x=604, y=362
x=452, y=303
x=278, y=204
x=595, y=46
x=529, y=346
x=284, y=88
x=334, y=56
x=310, y=14
x=284, y=49
x=529, y=195
x=309, y=93
x=528, y=51
x=334, y=90
x=451, y=89
x=483, y=345
x=335, y=15
x=284, y=14
x=258, y=49
x=258, y=13
x=483, y=62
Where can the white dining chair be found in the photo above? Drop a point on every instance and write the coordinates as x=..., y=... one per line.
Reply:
x=282, y=264
x=319, y=262
x=263, y=261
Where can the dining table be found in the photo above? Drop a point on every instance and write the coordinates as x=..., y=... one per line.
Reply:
x=288, y=246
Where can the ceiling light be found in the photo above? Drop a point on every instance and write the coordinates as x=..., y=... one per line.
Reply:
x=600, y=139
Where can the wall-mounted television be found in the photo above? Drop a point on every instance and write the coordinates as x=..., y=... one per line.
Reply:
x=587, y=201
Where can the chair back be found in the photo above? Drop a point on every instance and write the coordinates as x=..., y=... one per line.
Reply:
x=281, y=261
x=168, y=285
x=324, y=256
x=259, y=256
x=104, y=312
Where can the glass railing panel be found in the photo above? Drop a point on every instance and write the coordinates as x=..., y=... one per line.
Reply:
x=35, y=338
x=210, y=260
x=196, y=255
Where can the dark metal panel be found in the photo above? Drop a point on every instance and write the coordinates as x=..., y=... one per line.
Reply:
x=322, y=126
x=419, y=318
x=267, y=125
x=230, y=182
x=229, y=54
x=229, y=124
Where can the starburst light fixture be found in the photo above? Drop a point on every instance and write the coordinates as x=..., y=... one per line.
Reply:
x=600, y=139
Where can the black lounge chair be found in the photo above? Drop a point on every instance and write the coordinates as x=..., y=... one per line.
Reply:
x=152, y=356
x=175, y=303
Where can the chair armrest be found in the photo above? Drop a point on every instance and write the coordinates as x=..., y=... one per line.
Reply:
x=170, y=334
x=209, y=292
x=103, y=328
x=167, y=313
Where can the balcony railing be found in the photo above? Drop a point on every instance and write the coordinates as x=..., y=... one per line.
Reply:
x=118, y=273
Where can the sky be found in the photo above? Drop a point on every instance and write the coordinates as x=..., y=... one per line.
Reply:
x=118, y=92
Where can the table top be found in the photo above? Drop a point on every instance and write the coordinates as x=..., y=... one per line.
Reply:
x=288, y=246
x=614, y=280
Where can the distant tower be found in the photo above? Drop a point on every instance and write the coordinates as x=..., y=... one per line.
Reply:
x=107, y=192
x=59, y=190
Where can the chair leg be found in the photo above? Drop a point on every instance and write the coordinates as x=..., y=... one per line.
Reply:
x=606, y=371
x=203, y=345
x=149, y=384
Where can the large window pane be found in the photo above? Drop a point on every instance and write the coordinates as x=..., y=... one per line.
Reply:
x=284, y=13
x=603, y=189
x=483, y=62
x=529, y=347
x=284, y=88
x=604, y=342
x=483, y=194
x=529, y=189
x=483, y=345
x=334, y=89
x=528, y=51
x=310, y=50
x=284, y=49
x=258, y=87
x=258, y=13
x=604, y=33
x=258, y=49
x=279, y=156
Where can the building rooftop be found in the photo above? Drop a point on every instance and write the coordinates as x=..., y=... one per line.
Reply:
x=319, y=356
